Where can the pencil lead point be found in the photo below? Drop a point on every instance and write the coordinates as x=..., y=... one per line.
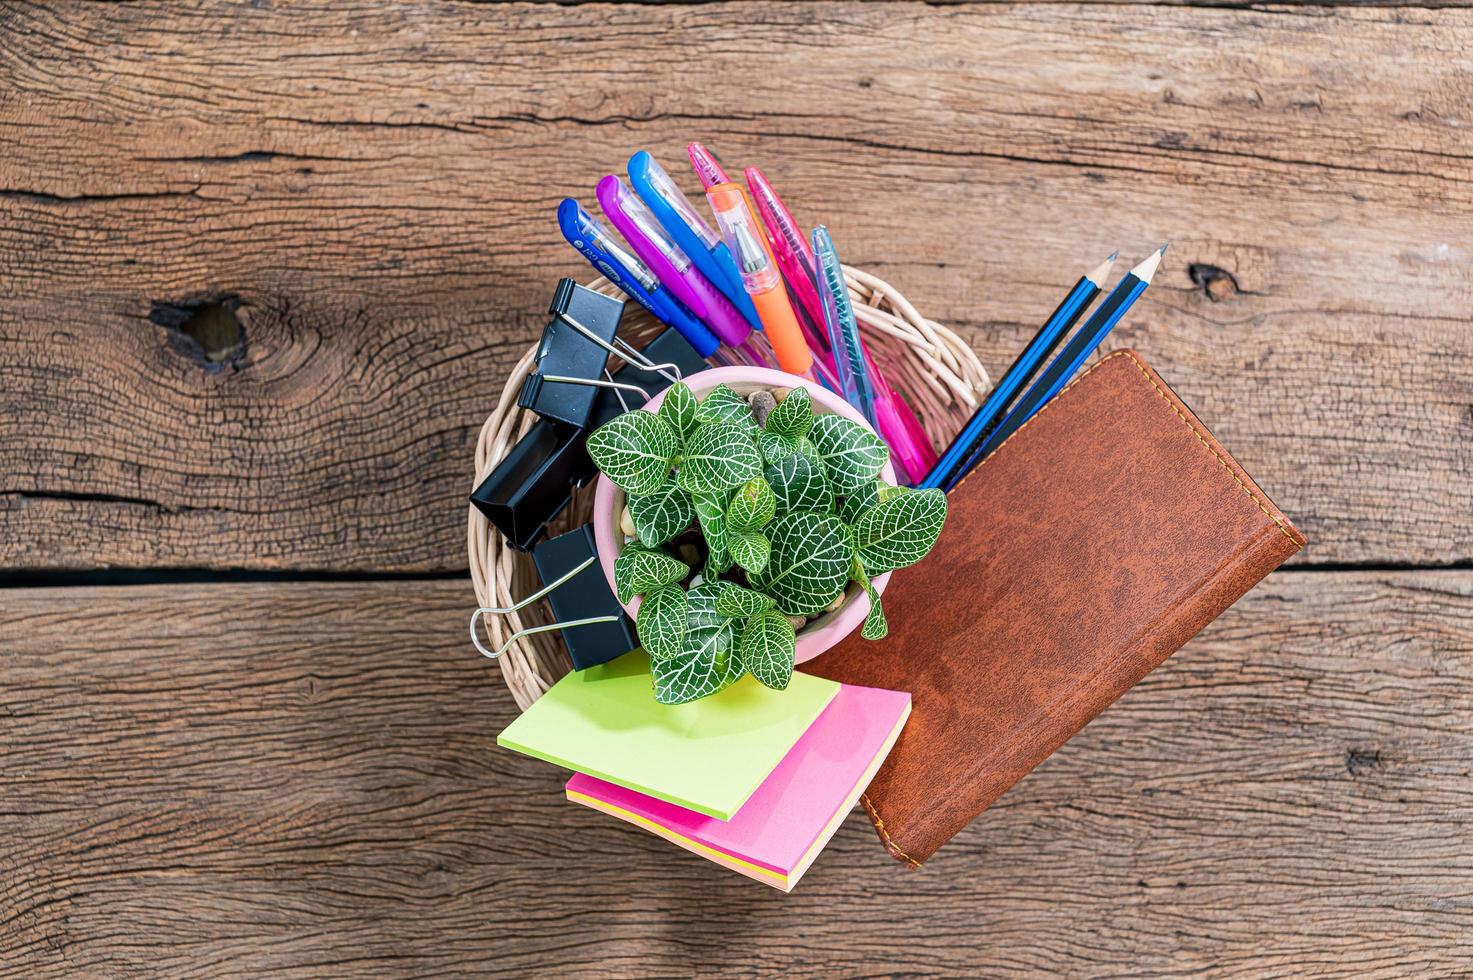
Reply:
x=1163, y=248
x=1102, y=272
x=1114, y=255
x=1147, y=268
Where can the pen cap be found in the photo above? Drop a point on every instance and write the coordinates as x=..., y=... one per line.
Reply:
x=588, y=235
x=690, y=232
x=707, y=167
x=834, y=297
x=743, y=234
x=739, y=226
x=689, y=285
x=612, y=191
x=643, y=167
x=789, y=244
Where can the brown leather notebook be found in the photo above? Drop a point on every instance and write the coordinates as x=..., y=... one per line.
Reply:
x=1097, y=539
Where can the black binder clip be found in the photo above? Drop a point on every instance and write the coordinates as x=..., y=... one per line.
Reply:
x=533, y=482
x=586, y=597
x=575, y=344
x=571, y=359
x=579, y=596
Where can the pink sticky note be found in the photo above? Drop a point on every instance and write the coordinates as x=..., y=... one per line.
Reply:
x=787, y=821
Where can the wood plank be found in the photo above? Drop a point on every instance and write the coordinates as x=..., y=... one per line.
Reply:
x=302, y=779
x=373, y=184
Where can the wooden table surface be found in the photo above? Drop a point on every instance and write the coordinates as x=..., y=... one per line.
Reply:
x=242, y=729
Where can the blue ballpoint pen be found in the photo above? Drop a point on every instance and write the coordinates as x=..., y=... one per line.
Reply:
x=1074, y=354
x=849, y=366
x=585, y=233
x=994, y=409
x=698, y=240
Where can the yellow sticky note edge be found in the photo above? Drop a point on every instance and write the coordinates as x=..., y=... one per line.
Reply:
x=709, y=755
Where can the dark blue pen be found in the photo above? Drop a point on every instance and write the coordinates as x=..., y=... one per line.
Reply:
x=584, y=232
x=1075, y=353
x=1000, y=399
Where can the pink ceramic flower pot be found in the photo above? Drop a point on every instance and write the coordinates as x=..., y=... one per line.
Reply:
x=608, y=500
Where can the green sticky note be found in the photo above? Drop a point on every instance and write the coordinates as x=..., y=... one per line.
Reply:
x=708, y=755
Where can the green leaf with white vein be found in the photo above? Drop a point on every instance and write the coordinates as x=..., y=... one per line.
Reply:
x=807, y=448
x=899, y=531
x=721, y=404
x=853, y=506
x=886, y=490
x=719, y=457
x=769, y=647
x=662, y=622
x=679, y=410
x=876, y=627
x=752, y=506
x=708, y=663
x=711, y=512
x=749, y=549
x=799, y=484
x=850, y=453
x=775, y=448
x=638, y=571
x=735, y=602
x=701, y=602
x=809, y=563
x=634, y=450
x=718, y=561
x=661, y=515
x=793, y=415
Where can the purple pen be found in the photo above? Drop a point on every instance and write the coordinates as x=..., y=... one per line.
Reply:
x=672, y=266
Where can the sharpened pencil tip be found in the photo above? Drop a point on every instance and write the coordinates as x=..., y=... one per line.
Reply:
x=1163, y=248
x=1147, y=268
x=1102, y=272
x=1113, y=256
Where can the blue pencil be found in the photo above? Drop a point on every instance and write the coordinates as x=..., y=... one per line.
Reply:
x=951, y=464
x=1075, y=353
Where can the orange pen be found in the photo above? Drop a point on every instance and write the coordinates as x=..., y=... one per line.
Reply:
x=742, y=230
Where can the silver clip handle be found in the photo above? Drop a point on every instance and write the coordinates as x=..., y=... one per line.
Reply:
x=624, y=351
x=535, y=596
x=530, y=630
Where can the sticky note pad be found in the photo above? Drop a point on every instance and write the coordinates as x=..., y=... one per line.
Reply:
x=776, y=835
x=708, y=755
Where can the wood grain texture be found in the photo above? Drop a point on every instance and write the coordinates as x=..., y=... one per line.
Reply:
x=301, y=779
x=373, y=186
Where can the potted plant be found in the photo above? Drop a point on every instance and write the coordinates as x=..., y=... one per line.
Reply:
x=747, y=532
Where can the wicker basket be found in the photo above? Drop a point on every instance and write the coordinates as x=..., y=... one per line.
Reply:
x=936, y=371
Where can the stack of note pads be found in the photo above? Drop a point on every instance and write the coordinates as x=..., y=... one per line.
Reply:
x=753, y=779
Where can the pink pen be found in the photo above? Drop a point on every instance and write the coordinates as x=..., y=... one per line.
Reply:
x=789, y=245
x=900, y=428
x=672, y=266
x=708, y=168
x=897, y=423
x=914, y=455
